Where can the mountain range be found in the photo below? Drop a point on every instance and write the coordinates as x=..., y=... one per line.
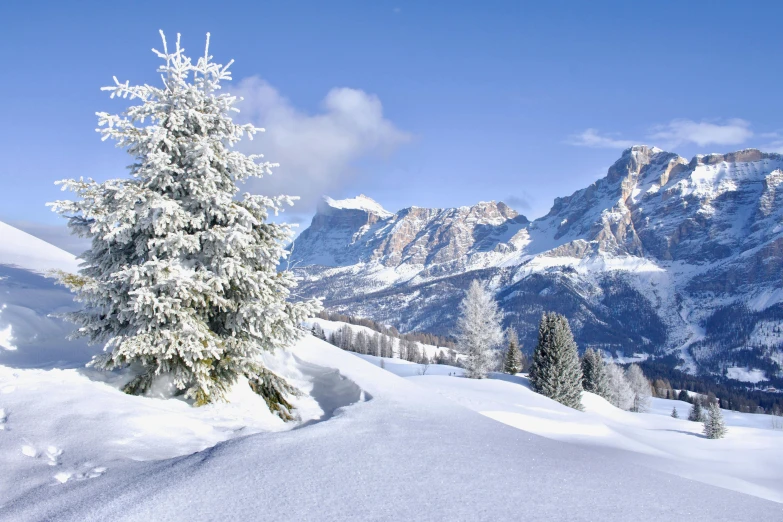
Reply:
x=663, y=257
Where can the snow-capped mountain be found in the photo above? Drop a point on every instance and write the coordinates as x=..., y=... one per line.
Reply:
x=662, y=255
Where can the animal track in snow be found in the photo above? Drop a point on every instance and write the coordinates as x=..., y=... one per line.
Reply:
x=90, y=472
x=53, y=455
x=29, y=451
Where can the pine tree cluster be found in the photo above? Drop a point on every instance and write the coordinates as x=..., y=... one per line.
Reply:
x=556, y=371
x=383, y=346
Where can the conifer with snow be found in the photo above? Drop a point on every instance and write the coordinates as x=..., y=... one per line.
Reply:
x=594, y=373
x=714, y=427
x=675, y=415
x=556, y=371
x=640, y=387
x=696, y=414
x=512, y=362
x=181, y=276
x=478, y=330
x=619, y=391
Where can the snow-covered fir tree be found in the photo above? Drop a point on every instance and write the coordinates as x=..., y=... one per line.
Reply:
x=346, y=338
x=619, y=391
x=512, y=363
x=640, y=387
x=556, y=371
x=478, y=330
x=318, y=332
x=412, y=353
x=675, y=415
x=714, y=427
x=696, y=414
x=594, y=373
x=181, y=278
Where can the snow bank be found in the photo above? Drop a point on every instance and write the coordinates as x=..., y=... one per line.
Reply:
x=407, y=453
x=20, y=249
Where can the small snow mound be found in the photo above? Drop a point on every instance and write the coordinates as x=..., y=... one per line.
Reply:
x=7, y=338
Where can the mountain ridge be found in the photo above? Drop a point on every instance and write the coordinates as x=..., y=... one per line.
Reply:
x=680, y=240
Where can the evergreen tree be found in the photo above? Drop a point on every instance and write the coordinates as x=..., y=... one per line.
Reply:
x=556, y=371
x=696, y=414
x=620, y=393
x=360, y=342
x=683, y=396
x=714, y=427
x=346, y=338
x=594, y=377
x=479, y=330
x=674, y=413
x=512, y=363
x=181, y=277
x=319, y=332
x=641, y=388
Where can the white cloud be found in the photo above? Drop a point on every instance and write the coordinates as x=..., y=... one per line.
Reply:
x=316, y=152
x=673, y=134
x=775, y=144
x=591, y=138
x=522, y=201
x=680, y=132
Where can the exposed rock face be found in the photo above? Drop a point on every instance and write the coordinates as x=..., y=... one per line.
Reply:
x=359, y=230
x=642, y=260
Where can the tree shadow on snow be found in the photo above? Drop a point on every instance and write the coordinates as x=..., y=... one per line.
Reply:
x=331, y=390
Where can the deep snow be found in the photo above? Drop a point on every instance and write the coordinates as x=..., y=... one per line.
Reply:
x=371, y=445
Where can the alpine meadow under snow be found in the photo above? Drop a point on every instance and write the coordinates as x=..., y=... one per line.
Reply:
x=199, y=385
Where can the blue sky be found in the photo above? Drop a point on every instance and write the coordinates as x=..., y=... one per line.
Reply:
x=412, y=103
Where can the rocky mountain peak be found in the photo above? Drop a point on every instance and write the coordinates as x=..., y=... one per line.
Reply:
x=639, y=260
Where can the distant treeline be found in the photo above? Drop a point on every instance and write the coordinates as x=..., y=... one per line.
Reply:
x=383, y=345
x=732, y=397
x=419, y=337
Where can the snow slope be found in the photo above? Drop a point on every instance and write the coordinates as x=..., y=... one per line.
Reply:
x=30, y=336
x=20, y=249
x=370, y=445
x=748, y=460
x=402, y=453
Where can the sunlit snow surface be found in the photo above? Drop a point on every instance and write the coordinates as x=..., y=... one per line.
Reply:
x=370, y=444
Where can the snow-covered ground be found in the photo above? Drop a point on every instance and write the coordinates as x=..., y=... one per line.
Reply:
x=752, y=375
x=372, y=444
